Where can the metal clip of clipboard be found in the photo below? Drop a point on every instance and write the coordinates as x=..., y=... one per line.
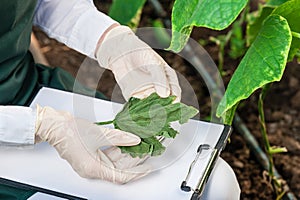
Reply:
x=215, y=153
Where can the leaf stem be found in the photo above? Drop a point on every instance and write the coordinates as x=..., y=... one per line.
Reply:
x=295, y=34
x=276, y=183
x=105, y=122
x=263, y=124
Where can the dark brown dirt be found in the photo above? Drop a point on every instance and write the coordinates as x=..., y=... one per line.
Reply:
x=282, y=109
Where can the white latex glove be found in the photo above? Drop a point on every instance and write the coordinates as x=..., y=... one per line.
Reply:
x=137, y=68
x=79, y=141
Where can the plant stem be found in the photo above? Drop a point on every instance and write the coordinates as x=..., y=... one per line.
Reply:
x=221, y=42
x=274, y=180
x=263, y=126
x=295, y=34
x=105, y=122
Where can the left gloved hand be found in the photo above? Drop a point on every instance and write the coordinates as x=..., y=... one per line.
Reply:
x=137, y=68
x=79, y=142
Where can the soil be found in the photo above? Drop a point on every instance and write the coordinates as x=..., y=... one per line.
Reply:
x=282, y=107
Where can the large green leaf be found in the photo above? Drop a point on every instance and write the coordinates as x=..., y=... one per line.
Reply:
x=148, y=118
x=291, y=12
x=216, y=14
x=126, y=12
x=151, y=116
x=263, y=63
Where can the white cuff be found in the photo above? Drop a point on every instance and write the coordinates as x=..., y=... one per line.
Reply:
x=76, y=23
x=17, y=125
x=88, y=30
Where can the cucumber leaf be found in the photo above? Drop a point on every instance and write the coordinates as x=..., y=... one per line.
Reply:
x=217, y=15
x=150, y=118
x=263, y=63
x=255, y=21
x=148, y=146
x=276, y=2
x=127, y=12
x=291, y=12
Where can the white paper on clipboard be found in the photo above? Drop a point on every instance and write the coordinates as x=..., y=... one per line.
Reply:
x=42, y=167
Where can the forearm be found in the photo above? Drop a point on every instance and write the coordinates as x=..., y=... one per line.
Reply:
x=76, y=23
x=17, y=125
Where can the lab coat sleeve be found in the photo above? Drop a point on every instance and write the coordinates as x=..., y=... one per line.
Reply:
x=76, y=23
x=17, y=125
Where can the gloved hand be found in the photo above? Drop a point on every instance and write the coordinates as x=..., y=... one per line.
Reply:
x=137, y=68
x=79, y=141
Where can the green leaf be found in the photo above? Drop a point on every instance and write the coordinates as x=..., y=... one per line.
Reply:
x=263, y=63
x=148, y=146
x=217, y=15
x=274, y=150
x=291, y=12
x=276, y=2
x=295, y=47
x=255, y=21
x=160, y=33
x=149, y=118
x=287, y=9
x=229, y=115
x=127, y=12
x=237, y=42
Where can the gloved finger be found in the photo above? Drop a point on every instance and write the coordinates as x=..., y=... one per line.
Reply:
x=122, y=176
x=174, y=83
x=123, y=160
x=132, y=81
x=97, y=136
x=102, y=157
x=116, y=137
x=151, y=64
x=144, y=92
x=159, y=80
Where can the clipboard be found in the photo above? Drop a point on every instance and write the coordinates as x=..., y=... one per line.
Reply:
x=42, y=169
x=213, y=156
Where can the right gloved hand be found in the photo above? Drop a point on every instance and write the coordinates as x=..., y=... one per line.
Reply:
x=138, y=69
x=79, y=141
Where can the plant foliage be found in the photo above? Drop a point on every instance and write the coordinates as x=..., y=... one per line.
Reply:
x=263, y=63
x=149, y=119
x=127, y=12
x=272, y=39
x=289, y=10
x=217, y=15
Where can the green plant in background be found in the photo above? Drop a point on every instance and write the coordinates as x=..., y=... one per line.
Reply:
x=127, y=12
x=288, y=10
x=263, y=63
x=217, y=15
x=272, y=39
x=235, y=38
x=276, y=183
